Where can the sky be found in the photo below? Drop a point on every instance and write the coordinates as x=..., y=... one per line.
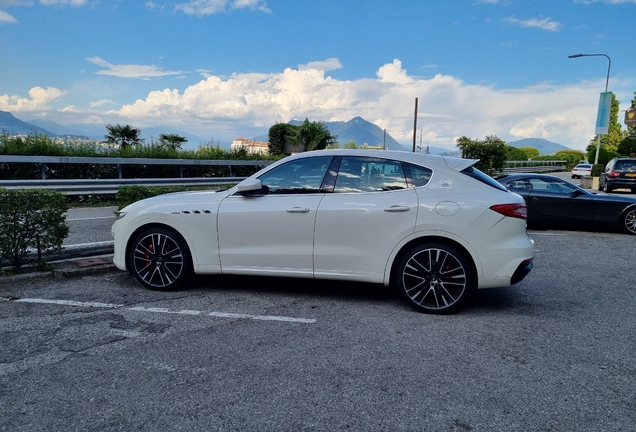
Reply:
x=222, y=69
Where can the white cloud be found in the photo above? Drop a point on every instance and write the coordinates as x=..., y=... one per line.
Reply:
x=248, y=104
x=130, y=71
x=40, y=99
x=543, y=24
x=7, y=18
x=62, y=2
x=326, y=65
x=209, y=7
x=101, y=102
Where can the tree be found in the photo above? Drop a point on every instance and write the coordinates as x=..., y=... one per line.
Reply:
x=627, y=147
x=312, y=136
x=491, y=153
x=530, y=152
x=463, y=143
x=278, y=135
x=125, y=135
x=350, y=145
x=172, y=141
x=515, y=154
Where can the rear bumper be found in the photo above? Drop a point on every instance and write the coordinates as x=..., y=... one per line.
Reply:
x=621, y=183
x=521, y=272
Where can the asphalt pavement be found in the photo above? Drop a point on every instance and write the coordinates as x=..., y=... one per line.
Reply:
x=101, y=353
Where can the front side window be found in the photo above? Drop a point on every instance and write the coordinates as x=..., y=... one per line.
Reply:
x=552, y=186
x=300, y=176
x=364, y=174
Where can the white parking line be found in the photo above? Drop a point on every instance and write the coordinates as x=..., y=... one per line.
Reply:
x=168, y=311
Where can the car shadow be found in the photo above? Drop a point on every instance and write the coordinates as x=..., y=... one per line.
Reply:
x=297, y=286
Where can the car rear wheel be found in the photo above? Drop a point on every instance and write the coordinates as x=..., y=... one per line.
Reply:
x=434, y=278
x=160, y=259
x=601, y=187
x=629, y=221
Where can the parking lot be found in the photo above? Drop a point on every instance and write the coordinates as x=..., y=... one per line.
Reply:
x=554, y=353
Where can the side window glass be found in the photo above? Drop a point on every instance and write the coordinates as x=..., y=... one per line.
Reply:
x=301, y=176
x=417, y=176
x=363, y=174
x=554, y=187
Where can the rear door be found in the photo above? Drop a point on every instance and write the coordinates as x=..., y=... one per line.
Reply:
x=370, y=210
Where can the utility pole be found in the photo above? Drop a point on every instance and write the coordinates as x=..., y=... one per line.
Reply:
x=415, y=126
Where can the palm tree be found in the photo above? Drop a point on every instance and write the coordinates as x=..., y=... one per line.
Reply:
x=313, y=136
x=123, y=135
x=172, y=141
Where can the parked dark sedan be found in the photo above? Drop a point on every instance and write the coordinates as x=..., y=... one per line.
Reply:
x=556, y=203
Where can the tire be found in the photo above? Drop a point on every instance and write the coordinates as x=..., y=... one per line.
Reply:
x=160, y=259
x=434, y=278
x=608, y=189
x=628, y=221
x=600, y=188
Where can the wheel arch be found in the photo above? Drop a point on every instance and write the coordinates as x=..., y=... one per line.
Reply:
x=141, y=228
x=434, y=239
x=621, y=220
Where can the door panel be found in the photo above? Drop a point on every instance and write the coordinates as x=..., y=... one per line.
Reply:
x=271, y=233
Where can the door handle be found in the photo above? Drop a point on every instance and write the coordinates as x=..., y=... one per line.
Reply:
x=397, y=209
x=297, y=210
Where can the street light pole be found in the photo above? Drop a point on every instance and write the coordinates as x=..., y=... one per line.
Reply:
x=609, y=65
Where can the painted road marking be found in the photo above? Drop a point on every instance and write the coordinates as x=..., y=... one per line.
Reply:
x=167, y=311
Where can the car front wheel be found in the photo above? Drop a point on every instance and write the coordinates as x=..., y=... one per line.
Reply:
x=434, y=278
x=629, y=221
x=160, y=259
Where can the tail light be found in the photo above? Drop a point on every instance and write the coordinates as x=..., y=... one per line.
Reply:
x=519, y=211
x=613, y=174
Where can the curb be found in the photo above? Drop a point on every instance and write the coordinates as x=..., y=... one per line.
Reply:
x=66, y=268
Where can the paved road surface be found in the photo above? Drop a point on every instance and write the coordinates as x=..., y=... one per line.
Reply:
x=554, y=353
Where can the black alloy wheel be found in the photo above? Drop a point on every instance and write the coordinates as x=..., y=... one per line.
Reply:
x=160, y=259
x=434, y=278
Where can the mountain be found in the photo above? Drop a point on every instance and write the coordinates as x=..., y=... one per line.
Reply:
x=17, y=127
x=97, y=132
x=362, y=132
x=544, y=146
x=357, y=130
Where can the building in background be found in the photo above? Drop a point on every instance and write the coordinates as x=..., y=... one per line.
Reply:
x=252, y=147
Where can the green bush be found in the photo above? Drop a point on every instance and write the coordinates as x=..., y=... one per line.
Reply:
x=597, y=169
x=41, y=145
x=30, y=220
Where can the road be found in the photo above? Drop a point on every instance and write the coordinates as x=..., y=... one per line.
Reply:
x=89, y=225
x=554, y=353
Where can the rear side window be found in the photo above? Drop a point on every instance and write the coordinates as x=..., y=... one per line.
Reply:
x=417, y=176
x=484, y=178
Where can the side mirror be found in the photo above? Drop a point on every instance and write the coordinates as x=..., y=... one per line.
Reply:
x=251, y=187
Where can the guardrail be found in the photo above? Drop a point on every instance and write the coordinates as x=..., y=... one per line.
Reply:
x=43, y=160
x=535, y=166
x=111, y=186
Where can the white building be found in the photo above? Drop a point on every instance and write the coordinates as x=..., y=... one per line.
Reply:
x=252, y=147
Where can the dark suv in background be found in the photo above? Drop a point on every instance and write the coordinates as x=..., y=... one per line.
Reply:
x=618, y=173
